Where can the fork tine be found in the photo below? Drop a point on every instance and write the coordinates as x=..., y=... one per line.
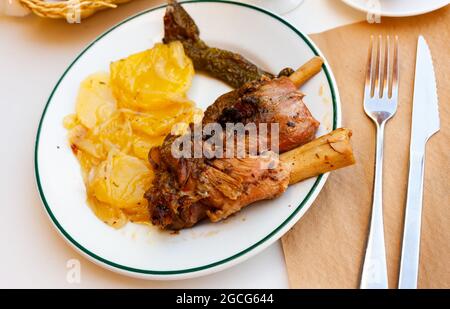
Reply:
x=395, y=70
x=378, y=69
x=369, y=73
x=384, y=87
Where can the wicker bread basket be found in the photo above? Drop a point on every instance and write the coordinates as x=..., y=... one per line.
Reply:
x=67, y=9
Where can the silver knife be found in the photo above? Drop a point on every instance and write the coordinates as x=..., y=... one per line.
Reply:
x=425, y=123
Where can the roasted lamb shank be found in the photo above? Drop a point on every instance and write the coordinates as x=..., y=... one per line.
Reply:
x=267, y=101
x=187, y=190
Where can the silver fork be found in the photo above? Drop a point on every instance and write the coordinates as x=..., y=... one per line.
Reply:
x=380, y=104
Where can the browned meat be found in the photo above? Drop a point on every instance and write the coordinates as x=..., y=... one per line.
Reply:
x=186, y=191
x=267, y=101
x=235, y=183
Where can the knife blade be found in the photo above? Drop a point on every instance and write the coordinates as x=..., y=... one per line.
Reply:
x=425, y=123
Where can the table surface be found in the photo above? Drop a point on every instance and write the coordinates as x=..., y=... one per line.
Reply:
x=33, y=54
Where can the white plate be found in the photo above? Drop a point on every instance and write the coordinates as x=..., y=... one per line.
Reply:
x=143, y=251
x=397, y=8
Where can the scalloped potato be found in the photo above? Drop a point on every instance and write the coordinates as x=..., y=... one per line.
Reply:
x=120, y=180
x=118, y=118
x=160, y=75
x=95, y=102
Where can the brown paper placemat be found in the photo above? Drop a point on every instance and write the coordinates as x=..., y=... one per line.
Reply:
x=325, y=249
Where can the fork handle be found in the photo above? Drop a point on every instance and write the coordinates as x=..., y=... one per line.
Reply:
x=374, y=273
x=409, y=265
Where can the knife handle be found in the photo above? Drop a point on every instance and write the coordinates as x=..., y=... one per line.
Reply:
x=409, y=264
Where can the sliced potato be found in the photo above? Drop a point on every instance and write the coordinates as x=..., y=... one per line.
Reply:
x=146, y=80
x=81, y=138
x=143, y=143
x=160, y=124
x=115, y=133
x=95, y=101
x=112, y=216
x=121, y=181
x=139, y=214
x=119, y=117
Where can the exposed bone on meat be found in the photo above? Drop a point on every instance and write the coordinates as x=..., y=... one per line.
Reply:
x=187, y=190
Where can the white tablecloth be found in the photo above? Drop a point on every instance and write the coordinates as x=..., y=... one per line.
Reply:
x=33, y=54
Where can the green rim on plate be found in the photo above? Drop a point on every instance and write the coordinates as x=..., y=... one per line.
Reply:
x=199, y=268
